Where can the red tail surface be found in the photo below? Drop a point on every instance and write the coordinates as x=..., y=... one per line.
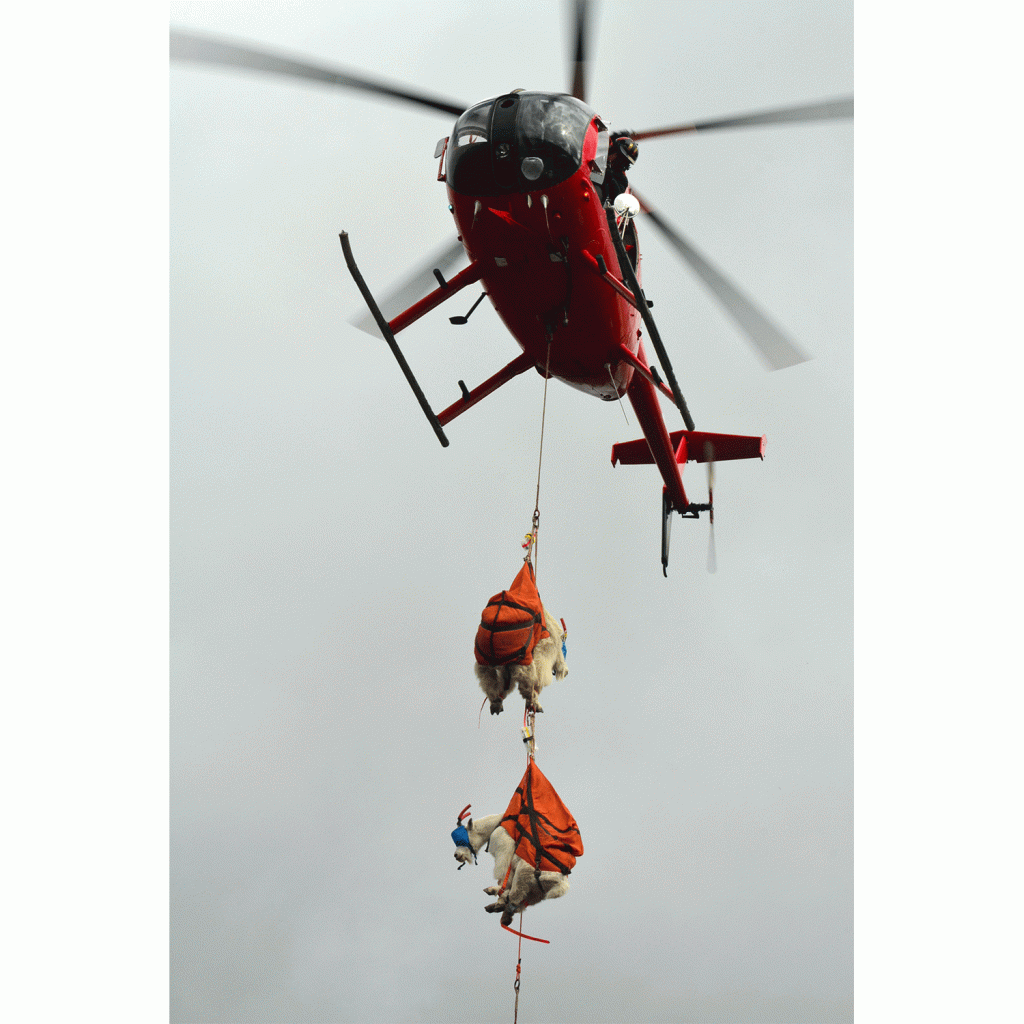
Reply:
x=692, y=446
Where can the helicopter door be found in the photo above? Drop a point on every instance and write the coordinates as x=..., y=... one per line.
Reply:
x=599, y=165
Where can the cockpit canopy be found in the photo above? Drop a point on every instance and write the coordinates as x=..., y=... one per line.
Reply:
x=519, y=142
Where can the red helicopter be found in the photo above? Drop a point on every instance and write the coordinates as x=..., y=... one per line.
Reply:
x=537, y=188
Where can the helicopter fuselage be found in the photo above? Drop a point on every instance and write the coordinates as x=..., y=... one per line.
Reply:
x=538, y=253
x=539, y=249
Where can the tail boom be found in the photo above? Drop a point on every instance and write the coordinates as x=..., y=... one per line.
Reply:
x=658, y=447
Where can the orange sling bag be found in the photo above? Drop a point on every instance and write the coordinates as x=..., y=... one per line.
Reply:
x=545, y=832
x=512, y=623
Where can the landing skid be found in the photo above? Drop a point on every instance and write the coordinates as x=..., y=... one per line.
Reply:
x=389, y=337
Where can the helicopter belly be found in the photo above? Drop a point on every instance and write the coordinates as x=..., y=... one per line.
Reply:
x=537, y=274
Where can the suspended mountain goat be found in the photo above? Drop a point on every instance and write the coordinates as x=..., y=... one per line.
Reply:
x=518, y=644
x=523, y=885
x=534, y=844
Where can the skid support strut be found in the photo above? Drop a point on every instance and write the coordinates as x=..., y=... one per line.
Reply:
x=389, y=337
x=641, y=304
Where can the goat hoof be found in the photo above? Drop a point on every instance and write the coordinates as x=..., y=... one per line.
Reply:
x=493, y=908
x=506, y=918
x=497, y=708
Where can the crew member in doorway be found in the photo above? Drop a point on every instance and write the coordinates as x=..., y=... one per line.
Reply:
x=622, y=154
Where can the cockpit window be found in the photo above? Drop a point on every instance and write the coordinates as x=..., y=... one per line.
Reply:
x=545, y=146
x=552, y=128
x=472, y=126
x=469, y=155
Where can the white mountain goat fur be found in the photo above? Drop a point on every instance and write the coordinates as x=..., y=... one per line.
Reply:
x=499, y=681
x=525, y=886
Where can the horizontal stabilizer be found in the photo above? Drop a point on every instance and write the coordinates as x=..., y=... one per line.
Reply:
x=692, y=446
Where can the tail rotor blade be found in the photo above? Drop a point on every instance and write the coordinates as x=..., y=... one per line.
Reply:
x=712, y=558
x=768, y=341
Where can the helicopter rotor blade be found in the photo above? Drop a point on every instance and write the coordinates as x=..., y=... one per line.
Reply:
x=202, y=49
x=769, y=342
x=417, y=284
x=579, y=57
x=824, y=111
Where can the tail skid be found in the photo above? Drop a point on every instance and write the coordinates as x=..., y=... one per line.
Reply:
x=692, y=511
x=666, y=529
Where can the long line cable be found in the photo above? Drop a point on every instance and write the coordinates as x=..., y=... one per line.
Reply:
x=529, y=725
x=529, y=718
x=540, y=462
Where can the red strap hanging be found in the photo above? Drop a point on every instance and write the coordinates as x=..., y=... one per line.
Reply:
x=523, y=935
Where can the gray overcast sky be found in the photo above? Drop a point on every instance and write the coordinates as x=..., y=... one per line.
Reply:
x=329, y=560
